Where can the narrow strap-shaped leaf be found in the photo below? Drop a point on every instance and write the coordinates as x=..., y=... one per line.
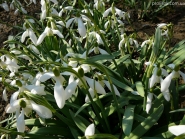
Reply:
x=143, y=127
x=127, y=120
x=140, y=88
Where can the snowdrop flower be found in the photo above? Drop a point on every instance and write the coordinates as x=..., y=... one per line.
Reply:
x=26, y=106
x=16, y=12
x=34, y=1
x=59, y=92
x=118, y=12
x=95, y=86
x=121, y=43
x=5, y=95
x=98, y=50
x=11, y=64
x=177, y=129
x=81, y=26
x=67, y=8
x=90, y=130
x=163, y=27
x=99, y=4
x=5, y=6
x=48, y=31
x=149, y=102
x=146, y=42
x=29, y=32
x=109, y=87
x=98, y=37
x=23, y=10
x=33, y=48
x=112, y=24
x=133, y=42
x=174, y=74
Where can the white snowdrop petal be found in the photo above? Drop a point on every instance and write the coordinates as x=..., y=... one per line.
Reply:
x=103, y=51
x=166, y=82
x=172, y=66
x=177, y=130
x=81, y=28
x=39, y=90
x=57, y=32
x=20, y=122
x=149, y=102
x=42, y=111
x=135, y=93
x=90, y=130
x=115, y=89
x=91, y=91
x=5, y=95
x=68, y=23
x=95, y=86
x=24, y=35
x=14, y=97
x=41, y=38
x=164, y=72
x=105, y=14
x=166, y=95
x=46, y=76
x=59, y=94
x=43, y=15
x=70, y=89
x=99, y=39
x=32, y=36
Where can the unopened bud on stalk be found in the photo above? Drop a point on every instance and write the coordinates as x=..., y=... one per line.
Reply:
x=40, y=70
x=18, y=83
x=22, y=103
x=56, y=71
x=176, y=68
x=81, y=72
x=159, y=72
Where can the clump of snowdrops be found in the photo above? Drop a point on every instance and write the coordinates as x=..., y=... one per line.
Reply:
x=76, y=73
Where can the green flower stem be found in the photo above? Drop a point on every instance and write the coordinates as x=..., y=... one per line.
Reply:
x=102, y=110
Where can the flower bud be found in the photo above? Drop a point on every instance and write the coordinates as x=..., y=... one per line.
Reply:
x=81, y=72
x=40, y=70
x=56, y=71
x=18, y=83
x=159, y=72
x=176, y=68
x=22, y=103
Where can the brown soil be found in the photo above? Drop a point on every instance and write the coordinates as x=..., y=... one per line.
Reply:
x=143, y=28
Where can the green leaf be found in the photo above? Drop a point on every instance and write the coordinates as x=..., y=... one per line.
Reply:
x=100, y=57
x=121, y=85
x=143, y=127
x=100, y=136
x=127, y=120
x=157, y=42
x=119, y=61
x=52, y=130
x=140, y=88
x=80, y=122
x=179, y=110
x=9, y=131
